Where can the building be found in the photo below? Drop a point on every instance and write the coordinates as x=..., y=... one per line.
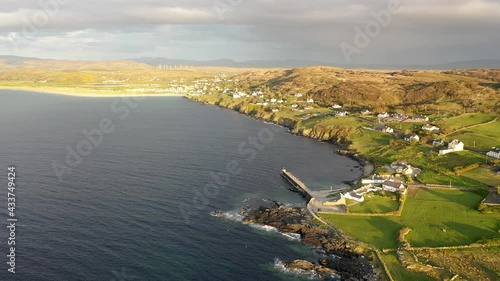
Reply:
x=299, y=95
x=453, y=146
x=401, y=167
x=342, y=113
x=494, y=153
x=276, y=110
x=383, y=115
x=294, y=105
x=393, y=185
x=411, y=138
x=418, y=118
x=387, y=129
x=430, y=128
x=366, y=112
x=438, y=143
x=336, y=106
x=375, y=179
x=310, y=100
x=236, y=96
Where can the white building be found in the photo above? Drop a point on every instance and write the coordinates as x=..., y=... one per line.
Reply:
x=453, y=146
x=430, y=128
x=383, y=115
x=299, y=95
x=342, y=113
x=393, y=185
x=310, y=100
x=388, y=129
x=336, y=106
x=354, y=196
x=494, y=153
x=412, y=138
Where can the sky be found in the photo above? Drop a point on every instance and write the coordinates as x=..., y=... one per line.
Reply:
x=333, y=31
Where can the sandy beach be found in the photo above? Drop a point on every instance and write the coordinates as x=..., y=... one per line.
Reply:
x=76, y=92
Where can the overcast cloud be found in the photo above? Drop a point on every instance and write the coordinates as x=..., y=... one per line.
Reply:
x=424, y=31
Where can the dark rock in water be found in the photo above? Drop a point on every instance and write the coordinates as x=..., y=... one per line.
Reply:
x=308, y=268
x=339, y=258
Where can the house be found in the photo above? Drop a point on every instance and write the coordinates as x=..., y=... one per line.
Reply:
x=383, y=115
x=393, y=185
x=308, y=108
x=310, y=100
x=453, y=146
x=437, y=142
x=274, y=100
x=401, y=167
x=411, y=138
x=430, y=128
x=375, y=179
x=399, y=116
x=494, y=153
x=265, y=103
x=342, y=113
x=276, y=110
x=236, y=96
x=294, y=105
x=299, y=95
x=281, y=101
x=366, y=112
x=336, y=106
x=418, y=118
x=387, y=129
x=354, y=196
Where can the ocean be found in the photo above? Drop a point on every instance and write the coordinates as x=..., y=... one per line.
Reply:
x=120, y=189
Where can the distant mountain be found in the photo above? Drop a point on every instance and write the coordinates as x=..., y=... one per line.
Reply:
x=495, y=63
x=14, y=62
x=145, y=63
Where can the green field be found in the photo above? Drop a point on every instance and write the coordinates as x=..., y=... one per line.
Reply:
x=398, y=272
x=465, y=120
x=484, y=136
x=436, y=217
x=484, y=175
x=376, y=204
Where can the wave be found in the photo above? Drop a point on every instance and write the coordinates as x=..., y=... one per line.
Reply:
x=292, y=236
x=263, y=227
x=233, y=216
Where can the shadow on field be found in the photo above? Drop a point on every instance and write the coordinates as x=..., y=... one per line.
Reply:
x=469, y=199
x=468, y=233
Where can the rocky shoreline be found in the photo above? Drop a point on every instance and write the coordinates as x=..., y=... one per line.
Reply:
x=338, y=258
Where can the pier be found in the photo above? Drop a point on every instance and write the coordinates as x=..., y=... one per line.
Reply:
x=318, y=201
x=298, y=184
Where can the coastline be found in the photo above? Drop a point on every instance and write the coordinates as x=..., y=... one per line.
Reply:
x=368, y=167
x=75, y=92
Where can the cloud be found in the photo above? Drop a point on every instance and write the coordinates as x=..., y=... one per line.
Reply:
x=248, y=29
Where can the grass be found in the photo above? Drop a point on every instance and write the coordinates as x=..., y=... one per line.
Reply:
x=465, y=120
x=483, y=175
x=473, y=264
x=398, y=272
x=376, y=204
x=481, y=138
x=427, y=213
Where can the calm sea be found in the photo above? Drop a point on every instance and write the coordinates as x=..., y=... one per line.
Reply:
x=137, y=205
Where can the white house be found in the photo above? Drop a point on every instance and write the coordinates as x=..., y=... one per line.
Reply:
x=375, y=179
x=295, y=105
x=453, y=146
x=276, y=110
x=236, y=96
x=310, y=100
x=494, y=153
x=388, y=129
x=342, y=113
x=412, y=137
x=274, y=100
x=299, y=95
x=354, y=196
x=430, y=128
x=336, y=106
x=281, y=101
x=393, y=185
x=366, y=112
x=383, y=115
